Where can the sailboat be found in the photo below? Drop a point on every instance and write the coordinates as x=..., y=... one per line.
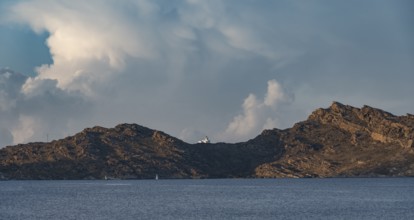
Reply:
x=156, y=176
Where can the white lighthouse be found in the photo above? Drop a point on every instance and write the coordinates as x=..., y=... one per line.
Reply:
x=204, y=141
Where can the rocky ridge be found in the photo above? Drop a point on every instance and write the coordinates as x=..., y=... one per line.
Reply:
x=339, y=141
x=345, y=141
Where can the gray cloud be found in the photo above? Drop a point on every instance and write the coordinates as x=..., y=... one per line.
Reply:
x=31, y=110
x=185, y=67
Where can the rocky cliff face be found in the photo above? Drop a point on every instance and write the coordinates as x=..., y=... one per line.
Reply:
x=379, y=125
x=338, y=141
x=345, y=141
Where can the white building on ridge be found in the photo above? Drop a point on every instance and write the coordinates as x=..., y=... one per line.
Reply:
x=204, y=141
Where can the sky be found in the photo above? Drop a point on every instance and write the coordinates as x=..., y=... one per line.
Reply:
x=223, y=68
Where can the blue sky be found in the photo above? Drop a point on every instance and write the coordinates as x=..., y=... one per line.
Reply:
x=226, y=69
x=22, y=49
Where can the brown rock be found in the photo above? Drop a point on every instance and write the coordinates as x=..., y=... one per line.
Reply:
x=338, y=141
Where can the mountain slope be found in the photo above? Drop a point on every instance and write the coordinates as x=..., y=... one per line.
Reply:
x=338, y=141
x=345, y=141
x=126, y=151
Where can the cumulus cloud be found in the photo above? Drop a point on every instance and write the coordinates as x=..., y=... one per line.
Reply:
x=183, y=66
x=257, y=114
x=92, y=40
x=88, y=40
x=32, y=108
x=124, y=61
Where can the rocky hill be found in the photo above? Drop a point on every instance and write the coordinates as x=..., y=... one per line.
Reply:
x=344, y=141
x=340, y=141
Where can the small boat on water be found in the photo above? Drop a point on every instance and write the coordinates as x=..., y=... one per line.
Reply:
x=156, y=176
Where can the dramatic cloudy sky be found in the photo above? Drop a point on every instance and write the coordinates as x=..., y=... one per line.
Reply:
x=223, y=68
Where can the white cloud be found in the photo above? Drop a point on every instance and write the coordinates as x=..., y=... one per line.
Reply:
x=93, y=38
x=182, y=66
x=32, y=107
x=25, y=129
x=257, y=114
x=125, y=60
x=274, y=94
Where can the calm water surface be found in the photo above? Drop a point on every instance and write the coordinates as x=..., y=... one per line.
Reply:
x=382, y=198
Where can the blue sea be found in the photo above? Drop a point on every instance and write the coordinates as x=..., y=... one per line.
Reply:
x=337, y=198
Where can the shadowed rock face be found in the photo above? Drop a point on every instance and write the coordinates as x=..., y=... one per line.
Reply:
x=338, y=141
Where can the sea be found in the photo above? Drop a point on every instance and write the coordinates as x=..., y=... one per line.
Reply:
x=331, y=198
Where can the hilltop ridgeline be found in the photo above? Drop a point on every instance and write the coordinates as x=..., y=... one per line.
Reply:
x=340, y=141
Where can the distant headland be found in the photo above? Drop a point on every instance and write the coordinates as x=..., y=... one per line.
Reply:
x=339, y=141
